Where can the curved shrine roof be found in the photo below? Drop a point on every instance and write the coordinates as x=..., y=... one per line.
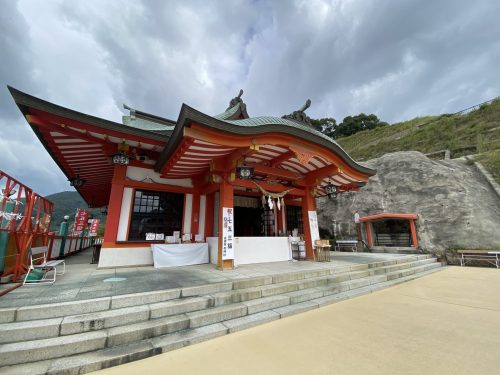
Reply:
x=82, y=145
x=254, y=126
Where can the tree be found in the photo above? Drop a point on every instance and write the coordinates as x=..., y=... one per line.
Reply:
x=355, y=124
x=351, y=125
x=325, y=125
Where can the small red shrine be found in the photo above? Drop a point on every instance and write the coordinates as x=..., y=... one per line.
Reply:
x=240, y=184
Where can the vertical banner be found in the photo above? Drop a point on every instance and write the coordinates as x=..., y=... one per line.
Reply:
x=80, y=221
x=313, y=225
x=227, y=233
x=93, y=228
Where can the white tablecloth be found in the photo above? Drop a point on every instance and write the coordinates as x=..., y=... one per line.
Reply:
x=179, y=254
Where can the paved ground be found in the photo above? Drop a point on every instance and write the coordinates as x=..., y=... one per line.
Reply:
x=83, y=280
x=444, y=323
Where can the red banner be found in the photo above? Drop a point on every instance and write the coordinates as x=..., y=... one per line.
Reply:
x=80, y=221
x=93, y=228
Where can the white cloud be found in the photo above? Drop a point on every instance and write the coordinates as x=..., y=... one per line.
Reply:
x=395, y=59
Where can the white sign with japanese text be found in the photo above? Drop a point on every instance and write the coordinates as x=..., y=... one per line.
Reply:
x=227, y=233
x=313, y=225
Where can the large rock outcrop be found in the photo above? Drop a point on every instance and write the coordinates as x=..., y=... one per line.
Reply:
x=456, y=206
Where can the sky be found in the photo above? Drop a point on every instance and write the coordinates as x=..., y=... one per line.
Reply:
x=396, y=59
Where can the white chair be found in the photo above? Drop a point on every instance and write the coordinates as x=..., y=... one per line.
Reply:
x=38, y=261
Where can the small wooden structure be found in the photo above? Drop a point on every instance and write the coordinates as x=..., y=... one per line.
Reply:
x=384, y=235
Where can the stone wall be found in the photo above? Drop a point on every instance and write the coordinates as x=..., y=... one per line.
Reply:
x=457, y=207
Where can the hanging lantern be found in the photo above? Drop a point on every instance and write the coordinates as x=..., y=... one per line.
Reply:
x=244, y=172
x=76, y=181
x=331, y=190
x=120, y=158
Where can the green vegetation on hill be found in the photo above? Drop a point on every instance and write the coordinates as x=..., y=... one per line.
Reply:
x=477, y=132
x=66, y=203
x=491, y=161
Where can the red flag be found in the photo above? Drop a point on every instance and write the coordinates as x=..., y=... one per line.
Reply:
x=80, y=221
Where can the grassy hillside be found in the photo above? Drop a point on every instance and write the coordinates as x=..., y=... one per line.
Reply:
x=66, y=203
x=476, y=132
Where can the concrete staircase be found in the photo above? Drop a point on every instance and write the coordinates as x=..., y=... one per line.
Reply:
x=392, y=249
x=84, y=336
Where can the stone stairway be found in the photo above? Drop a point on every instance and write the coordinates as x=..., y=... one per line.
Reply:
x=393, y=249
x=83, y=336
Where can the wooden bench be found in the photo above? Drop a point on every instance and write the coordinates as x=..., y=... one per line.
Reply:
x=491, y=257
x=38, y=261
x=346, y=244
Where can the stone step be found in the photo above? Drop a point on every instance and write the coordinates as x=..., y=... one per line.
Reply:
x=19, y=331
x=56, y=347
x=133, y=332
x=127, y=343
x=46, y=328
x=63, y=309
x=100, y=359
x=107, y=357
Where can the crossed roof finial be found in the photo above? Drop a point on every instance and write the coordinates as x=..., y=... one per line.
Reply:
x=300, y=115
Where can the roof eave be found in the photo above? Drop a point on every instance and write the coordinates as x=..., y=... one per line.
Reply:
x=25, y=101
x=189, y=114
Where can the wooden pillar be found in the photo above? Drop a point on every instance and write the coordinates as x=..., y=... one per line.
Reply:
x=114, y=206
x=225, y=200
x=195, y=214
x=308, y=204
x=413, y=230
x=369, y=237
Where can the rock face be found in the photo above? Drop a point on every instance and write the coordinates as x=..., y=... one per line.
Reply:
x=456, y=206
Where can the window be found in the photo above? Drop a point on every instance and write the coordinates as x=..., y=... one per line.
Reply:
x=155, y=212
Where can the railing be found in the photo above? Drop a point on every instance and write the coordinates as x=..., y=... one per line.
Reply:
x=59, y=246
x=24, y=222
x=461, y=112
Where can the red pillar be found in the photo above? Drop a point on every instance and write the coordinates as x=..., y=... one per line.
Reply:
x=225, y=200
x=114, y=206
x=413, y=230
x=308, y=204
x=368, y=229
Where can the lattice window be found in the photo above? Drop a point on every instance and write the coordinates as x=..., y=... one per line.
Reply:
x=155, y=212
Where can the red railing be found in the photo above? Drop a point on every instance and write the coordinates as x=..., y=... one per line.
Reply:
x=25, y=217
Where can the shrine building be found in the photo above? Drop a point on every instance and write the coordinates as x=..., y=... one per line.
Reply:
x=239, y=185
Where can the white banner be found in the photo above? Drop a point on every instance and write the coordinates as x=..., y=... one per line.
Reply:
x=313, y=225
x=179, y=254
x=227, y=233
